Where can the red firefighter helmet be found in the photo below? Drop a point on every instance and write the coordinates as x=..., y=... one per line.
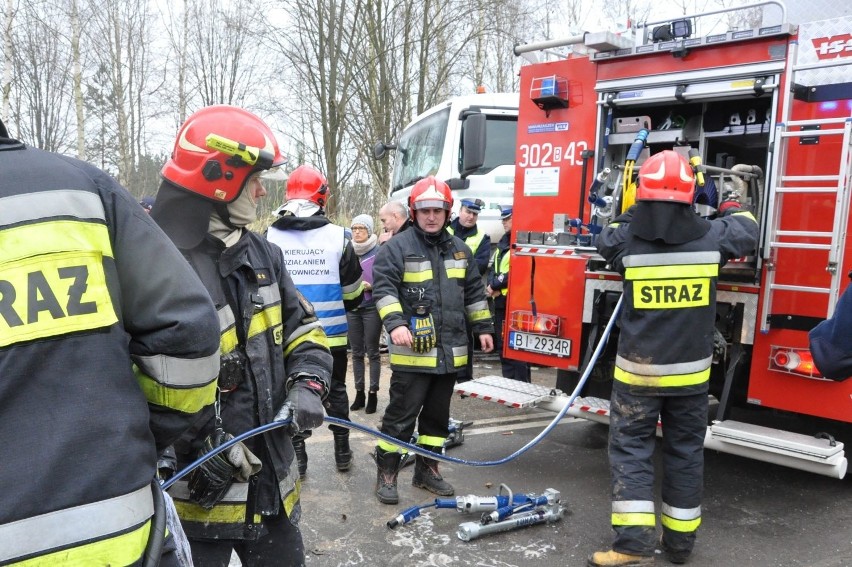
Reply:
x=666, y=176
x=430, y=193
x=309, y=184
x=217, y=149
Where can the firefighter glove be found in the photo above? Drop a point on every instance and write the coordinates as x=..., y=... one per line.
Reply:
x=303, y=406
x=209, y=482
x=422, y=331
x=245, y=461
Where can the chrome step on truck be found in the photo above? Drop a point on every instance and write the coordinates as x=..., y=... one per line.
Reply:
x=817, y=455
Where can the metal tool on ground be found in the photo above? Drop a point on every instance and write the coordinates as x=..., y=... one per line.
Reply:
x=502, y=512
x=551, y=510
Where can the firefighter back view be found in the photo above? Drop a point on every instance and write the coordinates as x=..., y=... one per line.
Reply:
x=108, y=352
x=669, y=258
x=327, y=272
x=274, y=355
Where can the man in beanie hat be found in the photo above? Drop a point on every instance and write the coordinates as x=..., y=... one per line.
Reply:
x=320, y=258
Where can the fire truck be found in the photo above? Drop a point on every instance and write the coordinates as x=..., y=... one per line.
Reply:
x=764, y=110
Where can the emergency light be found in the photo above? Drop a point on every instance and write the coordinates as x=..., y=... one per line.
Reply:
x=549, y=92
x=797, y=361
x=527, y=322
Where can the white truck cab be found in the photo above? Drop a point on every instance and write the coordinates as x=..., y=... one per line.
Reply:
x=468, y=142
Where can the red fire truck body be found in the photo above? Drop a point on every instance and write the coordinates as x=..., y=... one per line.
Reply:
x=774, y=101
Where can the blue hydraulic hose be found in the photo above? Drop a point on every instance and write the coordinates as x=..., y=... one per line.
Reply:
x=414, y=448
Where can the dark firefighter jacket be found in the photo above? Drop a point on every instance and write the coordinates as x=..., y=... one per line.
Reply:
x=322, y=262
x=667, y=323
x=498, y=275
x=831, y=341
x=476, y=240
x=414, y=267
x=108, y=352
x=263, y=316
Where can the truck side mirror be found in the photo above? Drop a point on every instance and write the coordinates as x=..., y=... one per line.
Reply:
x=381, y=148
x=473, y=144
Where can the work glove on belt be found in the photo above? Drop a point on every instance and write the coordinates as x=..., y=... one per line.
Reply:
x=303, y=405
x=422, y=329
x=209, y=482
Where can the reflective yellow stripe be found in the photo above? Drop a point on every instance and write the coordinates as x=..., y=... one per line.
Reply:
x=92, y=526
x=455, y=273
x=27, y=241
x=431, y=442
x=222, y=513
x=292, y=498
x=337, y=341
x=746, y=214
x=481, y=315
x=228, y=341
x=227, y=328
x=267, y=318
x=672, y=381
x=417, y=277
x=315, y=335
x=672, y=271
x=671, y=294
x=414, y=360
x=680, y=525
x=390, y=447
x=459, y=361
x=187, y=400
x=394, y=307
x=352, y=295
x=634, y=519
x=124, y=549
x=53, y=294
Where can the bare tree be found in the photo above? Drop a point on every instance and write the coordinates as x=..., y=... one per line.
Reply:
x=77, y=80
x=42, y=67
x=6, y=76
x=322, y=49
x=223, y=50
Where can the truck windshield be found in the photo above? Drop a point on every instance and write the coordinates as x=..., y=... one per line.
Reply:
x=419, y=150
x=500, y=131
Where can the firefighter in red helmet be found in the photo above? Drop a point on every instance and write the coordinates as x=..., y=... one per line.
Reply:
x=669, y=258
x=426, y=284
x=274, y=357
x=326, y=270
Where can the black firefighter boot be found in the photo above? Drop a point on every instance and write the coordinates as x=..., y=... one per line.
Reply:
x=387, y=465
x=426, y=476
x=342, y=453
x=301, y=457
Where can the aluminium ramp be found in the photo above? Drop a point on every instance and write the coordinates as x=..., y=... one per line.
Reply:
x=519, y=395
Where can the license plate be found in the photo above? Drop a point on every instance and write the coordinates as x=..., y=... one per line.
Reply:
x=538, y=343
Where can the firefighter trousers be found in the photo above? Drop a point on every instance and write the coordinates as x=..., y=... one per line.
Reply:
x=424, y=398
x=632, y=440
x=281, y=546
